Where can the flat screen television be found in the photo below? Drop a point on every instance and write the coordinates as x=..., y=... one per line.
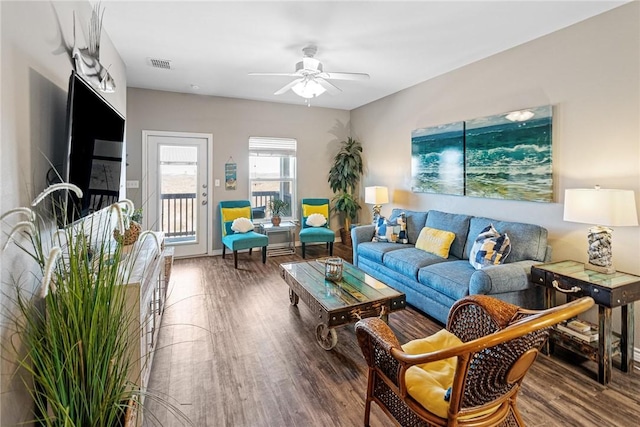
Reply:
x=94, y=163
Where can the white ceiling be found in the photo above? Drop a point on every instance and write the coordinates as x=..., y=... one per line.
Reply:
x=215, y=44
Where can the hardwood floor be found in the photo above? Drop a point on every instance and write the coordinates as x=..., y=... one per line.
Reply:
x=233, y=352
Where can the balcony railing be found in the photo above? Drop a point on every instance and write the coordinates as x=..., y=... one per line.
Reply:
x=178, y=211
x=178, y=215
x=261, y=199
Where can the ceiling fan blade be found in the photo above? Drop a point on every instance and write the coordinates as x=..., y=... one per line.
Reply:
x=345, y=76
x=275, y=74
x=330, y=87
x=287, y=87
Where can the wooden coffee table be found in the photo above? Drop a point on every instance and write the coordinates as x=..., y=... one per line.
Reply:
x=356, y=296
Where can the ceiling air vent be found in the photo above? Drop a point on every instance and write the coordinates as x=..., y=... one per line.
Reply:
x=164, y=64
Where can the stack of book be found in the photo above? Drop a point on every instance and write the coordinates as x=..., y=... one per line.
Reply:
x=579, y=329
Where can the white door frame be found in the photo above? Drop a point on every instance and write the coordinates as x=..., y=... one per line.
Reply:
x=145, y=174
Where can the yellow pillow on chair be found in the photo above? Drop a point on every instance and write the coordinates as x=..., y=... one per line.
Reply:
x=307, y=210
x=428, y=383
x=229, y=214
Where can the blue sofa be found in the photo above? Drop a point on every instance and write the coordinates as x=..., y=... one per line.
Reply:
x=431, y=283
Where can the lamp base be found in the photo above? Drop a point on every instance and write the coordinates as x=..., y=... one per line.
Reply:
x=376, y=213
x=600, y=269
x=599, y=251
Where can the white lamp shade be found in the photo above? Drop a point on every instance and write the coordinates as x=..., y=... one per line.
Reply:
x=598, y=206
x=308, y=89
x=376, y=195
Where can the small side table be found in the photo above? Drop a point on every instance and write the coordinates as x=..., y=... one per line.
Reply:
x=608, y=291
x=284, y=227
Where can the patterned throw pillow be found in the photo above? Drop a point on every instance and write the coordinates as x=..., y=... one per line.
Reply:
x=489, y=248
x=316, y=220
x=242, y=225
x=437, y=242
x=385, y=230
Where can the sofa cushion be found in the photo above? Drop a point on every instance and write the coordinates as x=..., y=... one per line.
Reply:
x=415, y=222
x=489, y=248
x=456, y=223
x=407, y=261
x=528, y=241
x=375, y=251
x=450, y=278
x=437, y=242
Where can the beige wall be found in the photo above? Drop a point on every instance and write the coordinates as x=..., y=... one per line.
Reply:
x=589, y=72
x=232, y=121
x=34, y=81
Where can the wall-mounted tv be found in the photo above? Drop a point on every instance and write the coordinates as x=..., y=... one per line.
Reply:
x=95, y=151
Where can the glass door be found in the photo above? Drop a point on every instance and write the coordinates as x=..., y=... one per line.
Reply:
x=178, y=190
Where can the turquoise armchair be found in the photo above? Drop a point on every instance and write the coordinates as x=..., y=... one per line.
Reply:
x=309, y=234
x=233, y=209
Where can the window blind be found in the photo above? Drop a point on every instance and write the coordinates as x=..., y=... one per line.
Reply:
x=262, y=146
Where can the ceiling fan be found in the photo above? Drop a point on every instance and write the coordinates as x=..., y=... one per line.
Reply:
x=311, y=79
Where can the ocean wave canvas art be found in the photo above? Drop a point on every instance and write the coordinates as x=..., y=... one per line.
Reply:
x=437, y=159
x=508, y=156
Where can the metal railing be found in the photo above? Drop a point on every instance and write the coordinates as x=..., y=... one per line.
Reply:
x=178, y=214
x=261, y=199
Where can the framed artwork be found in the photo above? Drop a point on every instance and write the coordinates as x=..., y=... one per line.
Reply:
x=437, y=159
x=508, y=156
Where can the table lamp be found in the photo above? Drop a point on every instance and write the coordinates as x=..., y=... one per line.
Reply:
x=603, y=208
x=376, y=196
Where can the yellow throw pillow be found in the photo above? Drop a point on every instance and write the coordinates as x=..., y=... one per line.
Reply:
x=437, y=242
x=229, y=214
x=323, y=210
x=428, y=383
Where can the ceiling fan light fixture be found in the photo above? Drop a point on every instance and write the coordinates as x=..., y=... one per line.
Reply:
x=308, y=89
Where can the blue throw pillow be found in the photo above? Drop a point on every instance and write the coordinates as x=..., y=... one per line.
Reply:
x=385, y=230
x=489, y=248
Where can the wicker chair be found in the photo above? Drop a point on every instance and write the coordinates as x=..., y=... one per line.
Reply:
x=499, y=342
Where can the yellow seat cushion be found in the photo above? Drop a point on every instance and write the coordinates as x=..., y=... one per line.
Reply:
x=229, y=214
x=437, y=242
x=307, y=210
x=428, y=383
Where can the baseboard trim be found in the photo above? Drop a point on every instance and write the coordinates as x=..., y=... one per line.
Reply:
x=636, y=357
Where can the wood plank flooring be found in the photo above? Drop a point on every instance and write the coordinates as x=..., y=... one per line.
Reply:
x=233, y=352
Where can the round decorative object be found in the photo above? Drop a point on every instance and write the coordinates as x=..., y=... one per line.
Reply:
x=333, y=269
x=293, y=297
x=130, y=235
x=275, y=220
x=327, y=337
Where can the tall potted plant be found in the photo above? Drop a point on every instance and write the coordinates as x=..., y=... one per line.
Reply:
x=75, y=328
x=344, y=177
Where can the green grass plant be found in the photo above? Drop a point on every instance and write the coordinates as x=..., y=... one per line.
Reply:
x=75, y=329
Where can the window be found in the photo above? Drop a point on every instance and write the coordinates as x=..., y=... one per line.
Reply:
x=272, y=174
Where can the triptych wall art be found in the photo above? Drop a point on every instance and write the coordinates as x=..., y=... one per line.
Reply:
x=506, y=156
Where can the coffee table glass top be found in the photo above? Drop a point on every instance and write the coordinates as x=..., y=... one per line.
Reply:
x=577, y=270
x=356, y=287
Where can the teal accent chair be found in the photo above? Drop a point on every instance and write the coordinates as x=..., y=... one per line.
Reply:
x=310, y=234
x=230, y=210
